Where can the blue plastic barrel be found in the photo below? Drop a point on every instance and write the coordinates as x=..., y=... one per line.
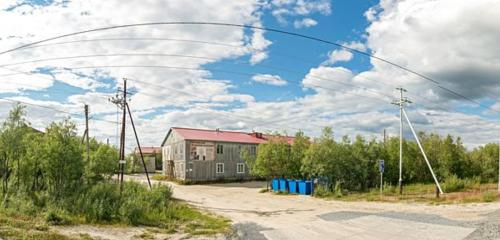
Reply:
x=292, y=186
x=283, y=185
x=275, y=185
x=305, y=187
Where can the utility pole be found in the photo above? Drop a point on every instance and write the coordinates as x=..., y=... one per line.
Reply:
x=86, y=107
x=400, y=103
x=385, y=137
x=121, y=102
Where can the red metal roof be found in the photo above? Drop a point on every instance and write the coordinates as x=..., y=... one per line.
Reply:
x=148, y=150
x=226, y=136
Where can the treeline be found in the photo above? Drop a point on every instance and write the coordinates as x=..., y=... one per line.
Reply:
x=47, y=174
x=352, y=164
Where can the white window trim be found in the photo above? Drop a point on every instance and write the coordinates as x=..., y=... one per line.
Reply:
x=217, y=167
x=237, y=167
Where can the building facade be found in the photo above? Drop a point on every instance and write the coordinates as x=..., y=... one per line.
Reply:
x=208, y=155
x=151, y=157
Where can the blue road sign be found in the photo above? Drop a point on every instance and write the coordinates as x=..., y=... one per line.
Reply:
x=381, y=165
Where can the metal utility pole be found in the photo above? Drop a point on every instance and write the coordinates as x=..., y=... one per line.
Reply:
x=87, y=131
x=423, y=153
x=400, y=103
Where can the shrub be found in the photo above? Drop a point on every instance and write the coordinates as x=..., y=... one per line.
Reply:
x=453, y=183
x=337, y=189
x=143, y=207
x=100, y=202
x=53, y=218
x=489, y=197
x=322, y=191
x=389, y=189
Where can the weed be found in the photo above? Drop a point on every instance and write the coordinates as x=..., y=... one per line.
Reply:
x=489, y=196
x=264, y=190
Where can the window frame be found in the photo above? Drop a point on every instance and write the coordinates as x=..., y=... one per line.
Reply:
x=237, y=168
x=220, y=150
x=217, y=168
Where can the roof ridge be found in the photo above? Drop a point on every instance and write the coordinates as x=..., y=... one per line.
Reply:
x=210, y=130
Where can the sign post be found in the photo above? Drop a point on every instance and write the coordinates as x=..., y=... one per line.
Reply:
x=381, y=167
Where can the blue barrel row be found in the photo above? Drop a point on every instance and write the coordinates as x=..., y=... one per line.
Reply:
x=303, y=187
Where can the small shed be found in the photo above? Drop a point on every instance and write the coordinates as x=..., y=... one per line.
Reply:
x=152, y=158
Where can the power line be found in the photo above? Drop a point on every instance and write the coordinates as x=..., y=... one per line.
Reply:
x=50, y=108
x=244, y=47
x=200, y=57
x=242, y=117
x=195, y=57
x=255, y=28
x=190, y=56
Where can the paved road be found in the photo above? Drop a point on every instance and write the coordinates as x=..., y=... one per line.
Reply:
x=269, y=216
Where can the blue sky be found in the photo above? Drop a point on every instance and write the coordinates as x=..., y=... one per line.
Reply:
x=266, y=81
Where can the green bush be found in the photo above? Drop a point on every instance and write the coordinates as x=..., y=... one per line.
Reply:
x=489, y=196
x=136, y=205
x=100, y=202
x=454, y=184
x=53, y=218
x=143, y=207
x=324, y=191
x=389, y=189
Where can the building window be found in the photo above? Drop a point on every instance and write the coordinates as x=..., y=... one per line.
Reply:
x=240, y=168
x=219, y=168
x=253, y=150
x=220, y=150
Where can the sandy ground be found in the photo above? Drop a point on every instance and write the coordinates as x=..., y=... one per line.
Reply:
x=269, y=216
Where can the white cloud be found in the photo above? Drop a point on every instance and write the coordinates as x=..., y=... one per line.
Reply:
x=338, y=56
x=305, y=23
x=294, y=8
x=167, y=86
x=269, y=79
x=355, y=45
x=424, y=36
x=258, y=44
x=233, y=97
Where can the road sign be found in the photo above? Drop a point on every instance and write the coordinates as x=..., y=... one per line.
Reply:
x=381, y=165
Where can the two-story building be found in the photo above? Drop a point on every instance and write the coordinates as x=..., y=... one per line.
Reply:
x=207, y=155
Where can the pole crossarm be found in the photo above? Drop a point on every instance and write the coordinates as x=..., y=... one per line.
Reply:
x=423, y=152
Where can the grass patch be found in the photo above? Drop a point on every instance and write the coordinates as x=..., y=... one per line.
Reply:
x=103, y=204
x=467, y=191
x=161, y=177
x=14, y=226
x=202, y=223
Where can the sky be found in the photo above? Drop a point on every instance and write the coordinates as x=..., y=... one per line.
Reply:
x=243, y=79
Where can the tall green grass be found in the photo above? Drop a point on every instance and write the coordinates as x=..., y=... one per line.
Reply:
x=103, y=203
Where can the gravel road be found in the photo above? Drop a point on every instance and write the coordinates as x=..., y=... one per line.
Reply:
x=268, y=216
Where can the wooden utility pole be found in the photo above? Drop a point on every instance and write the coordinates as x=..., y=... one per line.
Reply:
x=87, y=131
x=121, y=101
x=138, y=144
x=122, y=136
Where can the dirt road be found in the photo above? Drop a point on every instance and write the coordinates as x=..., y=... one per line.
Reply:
x=269, y=216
